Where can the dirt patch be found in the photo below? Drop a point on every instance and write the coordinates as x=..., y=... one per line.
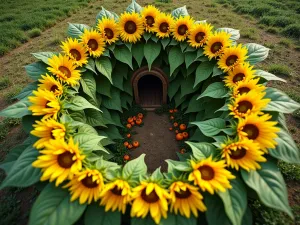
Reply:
x=156, y=141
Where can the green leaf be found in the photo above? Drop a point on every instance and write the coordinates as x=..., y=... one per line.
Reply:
x=112, y=132
x=103, y=85
x=44, y=56
x=91, y=65
x=142, y=221
x=214, y=90
x=217, y=71
x=176, y=58
x=201, y=150
x=286, y=148
x=180, y=166
x=75, y=30
x=79, y=103
x=190, y=57
x=147, y=36
x=17, y=110
x=106, y=14
x=280, y=102
x=135, y=168
x=234, y=34
x=215, y=214
x=183, y=46
x=174, y=86
x=96, y=215
x=22, y=174
x=178, y=99
x=103, y=65
x=78, y=116
x=36, y=69
x=116, y=118
x=203, y=71
x=269, y=186
x=89, y=142
x=182, y=11
x=88, y=85
x=27, y=91
x=53, y=206
x=187, y=86
x=235, y=201
x=94, y=118
x=256, y=53
x=28, y=121
x=123, y=54
x=118, y=75
x=211, y=127
x=113, y=103
x=165, y=42
x=151, y=52
x=268, y=76
x=138, y=52
x=195, y=105
x=134, y=7
x=106, y=116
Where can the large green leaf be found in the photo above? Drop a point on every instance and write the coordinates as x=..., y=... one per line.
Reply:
x=177, y=165
x=176, y=58
x=78, y=116
x=112, y=132
x=182, y=11
x=107, y=117
x=123, y=54
x=234, y=34
x=134, y=169
x=269, y=186
x=151, y=52
x=142, y=221
x=36, y=69
x=286, y=148
x=22, y=174
x=235, y=201
x=27, y=91
x=88, y=85
x=75, y=30
x=17, y=110
x=91, y=65
x=211, y=127
x=79, y=103
x=174, y=86
x=178, y=219
x=215, y=214
x=256, y=53
x=195, y=105
x=116, y=117
x=114, y=102
x=268, y=76
x=201, y=150
x=187, y=86
x=106, y=14
x=44, y=56
x=165, y=42
x=178, y=99
x=215, y=90
x=203, y=71
x=134, y=7
x=103, y=85
x=96, y=215
x=280, y=102
x=189, y=57
x=53, y=206
x=118, y=75
x=103, y=65
x=138, y=52
x=94, y=118
x=89, y=142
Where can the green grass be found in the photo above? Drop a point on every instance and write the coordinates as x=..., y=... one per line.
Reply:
x=21, y=20
x=279, y=69
x=290, y=171
x=286, y=42
x=4, y=83
x=6, y=125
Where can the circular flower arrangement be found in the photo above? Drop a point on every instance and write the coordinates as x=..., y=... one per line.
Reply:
x=72, y=111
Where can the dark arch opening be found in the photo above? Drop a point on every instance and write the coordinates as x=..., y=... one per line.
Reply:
x=150, y=90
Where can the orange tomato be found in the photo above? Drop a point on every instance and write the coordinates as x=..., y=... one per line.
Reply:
x=182, y=151
x=130, y=146
x=182, y=127
x=185, y=134
x=128, y=126
x=171, y=111
x=179, y=137
x=176, y=131
x=175, y=124
x=128, y=135
x=134, y=118
x=140, y=115
x=171, y=117
x=126, y=157
x=171, y=128
x=136, y=144
x=175, y=110
x=126, y=143
x=132, y=123
x=138, y=121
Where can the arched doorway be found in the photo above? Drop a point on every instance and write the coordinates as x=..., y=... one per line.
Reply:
x=150, y=87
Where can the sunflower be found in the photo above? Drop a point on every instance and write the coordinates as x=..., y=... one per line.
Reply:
x=181, y=27
x=149, y=15
x=59, y=160
x=258, y=129
x=75, y=50
x=116, y=195
x=44, y=103
x=64, y=68
x=131, y=27
x=210, y=175
x=246, y=104
x=186, y=198
x=244, y=87
x=199, y=34
x=94, y=42
x=216, y=44
x=232, y=57
x=150, y=197
x=50, y=84
x=86, y=186
x=162, y=25
x=244, y=154
x=242, y=72
x=109, y=30
x=47, y=130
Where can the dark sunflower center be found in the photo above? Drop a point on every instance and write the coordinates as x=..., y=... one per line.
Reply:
x=130, y=27
x=54, y=88
x=182, y=29
x=238, y=154
x=164, y=27
x=243, y=90
x=183, y=194
x=207, y=173
x=109, y=33
x=89, y=183
x=76, y=54
x=238, y=77
x=244, y=106
x=65, y=70
x=93, y=44
x=65, y=160
x=216, y=47
x=151, y=198
x=199, y=37
x=51, y=134
x=252, y=131
x=116, y=191
x=150, y=21
x=46, y=105
x=231, y=60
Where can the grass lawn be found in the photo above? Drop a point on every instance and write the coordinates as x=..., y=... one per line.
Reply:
x=283, y=59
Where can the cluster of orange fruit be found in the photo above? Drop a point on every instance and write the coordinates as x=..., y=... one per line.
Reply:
x=135, y=120
x=179, y=129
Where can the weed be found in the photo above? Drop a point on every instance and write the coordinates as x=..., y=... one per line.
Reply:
x=250, y=34
x=292, y=30
x=286, y=42
x=4, y=83
x=290, y=171
x=6, y=125
x=279, y=69
x=273, y=30
x=35, y=32
x=10, y=96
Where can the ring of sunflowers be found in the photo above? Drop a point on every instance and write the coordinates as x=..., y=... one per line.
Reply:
x=72, y=111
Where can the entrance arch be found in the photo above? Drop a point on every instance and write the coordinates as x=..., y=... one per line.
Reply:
x=146, y=90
